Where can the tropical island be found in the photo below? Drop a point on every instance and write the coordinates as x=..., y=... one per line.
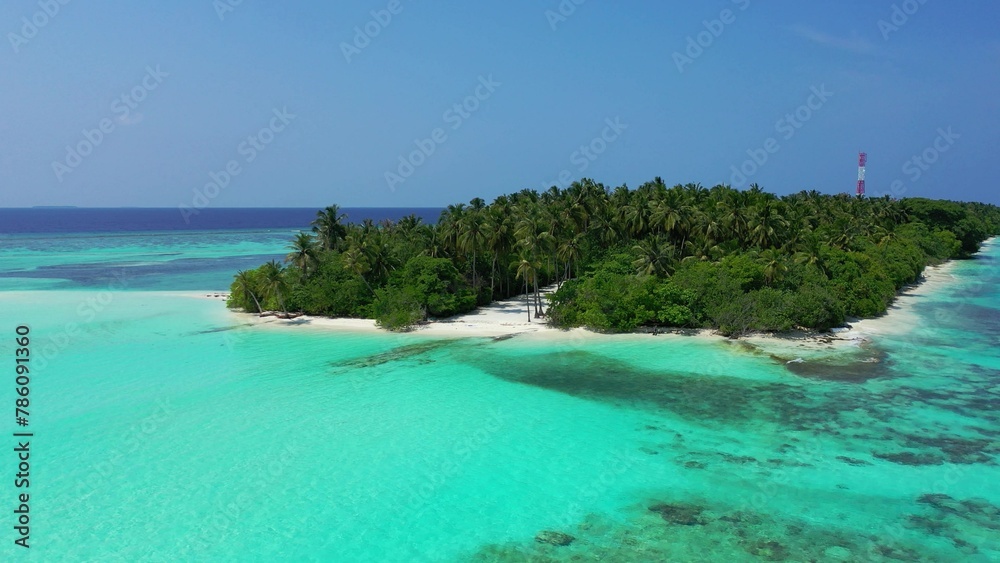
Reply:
x=655, y=257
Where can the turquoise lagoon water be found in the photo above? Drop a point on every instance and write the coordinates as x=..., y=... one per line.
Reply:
x=168, y=429
x=177, y=260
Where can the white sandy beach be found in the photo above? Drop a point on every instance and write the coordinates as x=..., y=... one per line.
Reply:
x=501, y=318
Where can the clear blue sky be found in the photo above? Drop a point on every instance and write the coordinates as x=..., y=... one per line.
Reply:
x=554, y=90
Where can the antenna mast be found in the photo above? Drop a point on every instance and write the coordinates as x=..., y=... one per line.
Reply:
x=862, y=163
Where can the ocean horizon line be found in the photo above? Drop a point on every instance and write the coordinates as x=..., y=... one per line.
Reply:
x=55, y=207
x=150, y=219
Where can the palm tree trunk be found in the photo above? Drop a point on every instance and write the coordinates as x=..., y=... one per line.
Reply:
x=538, y=309
x=527, y=302
x=256, y=302
x=493, y=274
x=369, y=286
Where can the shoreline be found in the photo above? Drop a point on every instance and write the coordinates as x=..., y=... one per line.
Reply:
x=899, y=318
x=509, y=318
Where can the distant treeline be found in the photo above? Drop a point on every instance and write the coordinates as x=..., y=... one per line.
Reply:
x=657, y=256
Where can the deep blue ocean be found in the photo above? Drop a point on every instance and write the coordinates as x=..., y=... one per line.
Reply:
x=119, y=220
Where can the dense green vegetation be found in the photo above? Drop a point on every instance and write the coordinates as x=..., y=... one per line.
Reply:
x=659, y=256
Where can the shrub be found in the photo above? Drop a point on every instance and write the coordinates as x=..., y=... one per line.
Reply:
x=436, y=285
x=397, y=309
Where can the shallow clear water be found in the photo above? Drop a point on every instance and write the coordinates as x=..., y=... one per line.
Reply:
x=167, y=429
x=185, y=260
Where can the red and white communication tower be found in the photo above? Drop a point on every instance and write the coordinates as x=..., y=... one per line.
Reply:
x=862, y=162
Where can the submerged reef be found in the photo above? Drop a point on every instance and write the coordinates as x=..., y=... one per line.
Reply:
x=689, y=530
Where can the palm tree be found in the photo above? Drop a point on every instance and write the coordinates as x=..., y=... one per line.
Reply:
x=655, y=257
x=368, y=227
x=329, y=228
x=412, y=235
x=635, y=216
x=886, y=237
x=471, y=237
x=570, y=252
x=409, y=224
x=843, y=237
x=376, y=247
x=774, y=266
x=304, y=253
x=526, y=270
x=275, y=284
x=604, y=223
x=499, y=239
x=355, y=261
x=450, y=226
x=434, y=247
x=477, y=204
x=248, y=286
x=702, y=249
x=736, y=221
x=766, y=225
x=810, y=252
x=534, y=241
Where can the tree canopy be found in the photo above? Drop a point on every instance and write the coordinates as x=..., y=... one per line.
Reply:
x=655, y=256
